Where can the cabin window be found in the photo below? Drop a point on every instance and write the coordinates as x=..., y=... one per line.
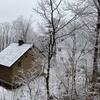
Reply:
x=7, y=76
x=90, y=51
x=59, y=49
x=25, y=55
x=62, y=39
x=19, y=64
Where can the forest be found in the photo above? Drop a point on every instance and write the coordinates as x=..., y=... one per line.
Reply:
x=68, y=37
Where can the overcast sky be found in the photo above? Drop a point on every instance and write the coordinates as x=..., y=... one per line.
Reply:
x=11, y=9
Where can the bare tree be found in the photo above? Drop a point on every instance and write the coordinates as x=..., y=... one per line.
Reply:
x=4, y=34
x=22, y=29
x=95, y=60
x=55, y=21
x=49, y=10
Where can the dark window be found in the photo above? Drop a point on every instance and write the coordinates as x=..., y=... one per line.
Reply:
x=19, y=64
x=33, y=60
x=59, y=49
x=25, y=55
x=62, y=39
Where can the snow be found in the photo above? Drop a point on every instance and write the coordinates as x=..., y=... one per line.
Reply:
x=38, y=91
x=12, y=53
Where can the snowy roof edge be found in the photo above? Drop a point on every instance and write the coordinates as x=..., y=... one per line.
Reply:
x=24, y=48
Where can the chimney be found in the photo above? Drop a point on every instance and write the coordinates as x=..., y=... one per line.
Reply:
x=20, y=42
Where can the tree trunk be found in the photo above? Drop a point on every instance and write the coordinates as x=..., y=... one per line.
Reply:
x=47, y=80
x=49, y=66
x=73, y=91
x=95, y=62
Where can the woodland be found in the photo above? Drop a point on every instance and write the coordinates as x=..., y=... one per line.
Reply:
x=68, y=37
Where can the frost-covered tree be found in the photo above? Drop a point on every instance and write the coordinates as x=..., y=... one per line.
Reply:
x=22, y=29
x=4, y=35
x=49, y=10
x=55, y=20
x=96, y=46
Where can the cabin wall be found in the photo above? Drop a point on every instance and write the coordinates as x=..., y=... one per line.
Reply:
x=6, y=74
x=24, y=63
x=36, y=61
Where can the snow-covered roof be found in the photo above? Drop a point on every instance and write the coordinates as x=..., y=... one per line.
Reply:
x=12, y=53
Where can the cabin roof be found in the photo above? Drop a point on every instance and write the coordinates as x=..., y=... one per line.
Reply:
x=12, y=53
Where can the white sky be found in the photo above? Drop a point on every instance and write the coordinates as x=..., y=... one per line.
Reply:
x=11, y=9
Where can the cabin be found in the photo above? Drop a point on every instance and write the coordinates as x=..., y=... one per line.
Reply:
x=16, y=57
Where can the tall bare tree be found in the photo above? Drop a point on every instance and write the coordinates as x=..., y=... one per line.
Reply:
x=4, y=34
x=50, y=12
x=22, y=29
x=55, y=20
x=96, y=48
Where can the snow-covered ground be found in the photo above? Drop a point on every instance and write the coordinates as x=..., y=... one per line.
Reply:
x=23, y=93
